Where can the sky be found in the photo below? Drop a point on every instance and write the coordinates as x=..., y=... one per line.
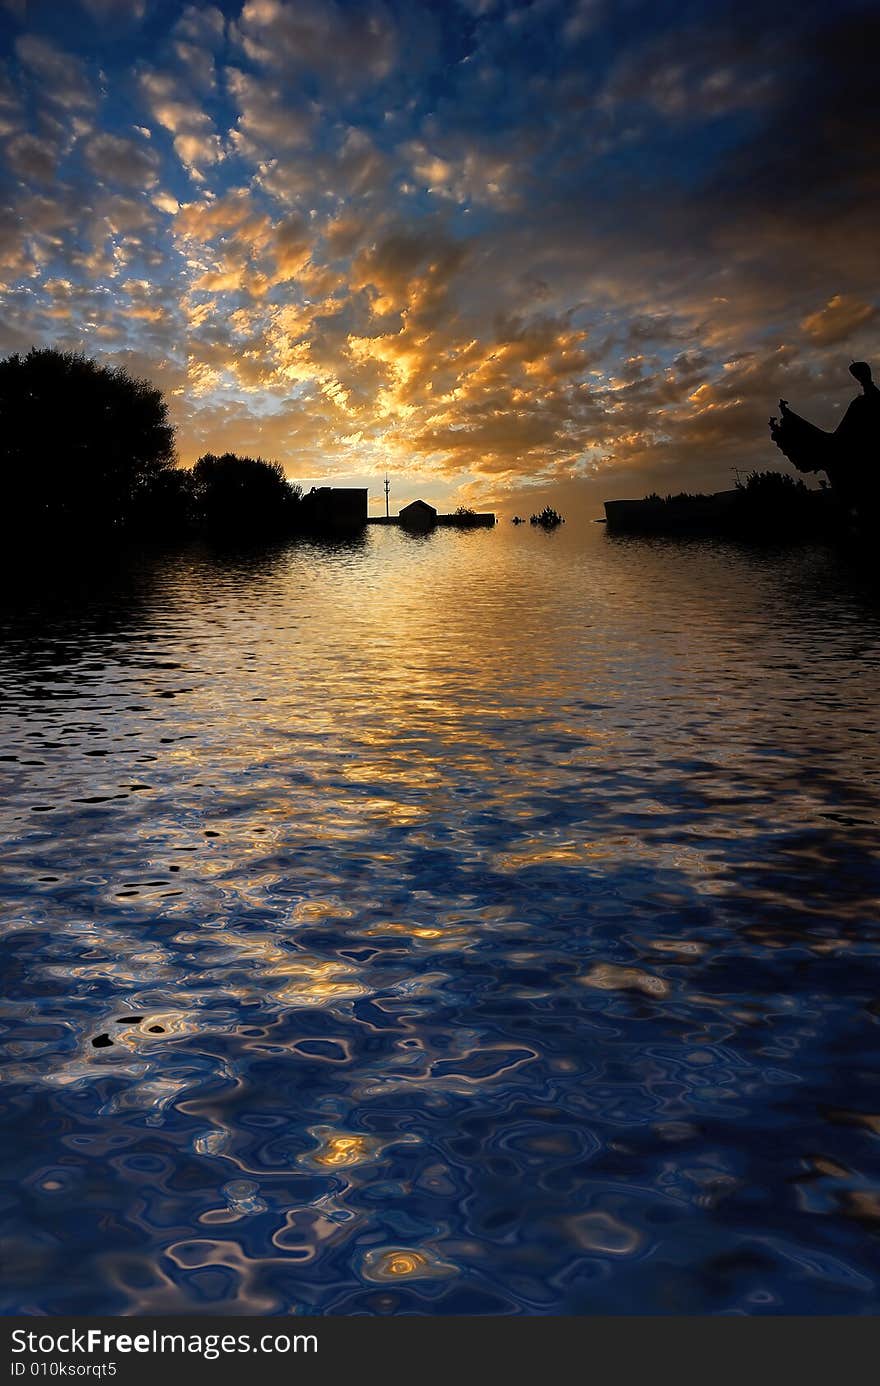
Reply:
x=511, y=251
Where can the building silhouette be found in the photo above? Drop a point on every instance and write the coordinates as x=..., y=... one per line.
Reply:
x=335, y=507
x=418, y=515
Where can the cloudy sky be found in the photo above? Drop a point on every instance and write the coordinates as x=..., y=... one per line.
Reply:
x=514, y=250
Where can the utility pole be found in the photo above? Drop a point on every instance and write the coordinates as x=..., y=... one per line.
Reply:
x=387, y=490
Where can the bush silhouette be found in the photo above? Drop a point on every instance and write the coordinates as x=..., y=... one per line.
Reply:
x=81, y=444
x=780, y=504
x=238, y=493
x=771, y=485
x=548, y=518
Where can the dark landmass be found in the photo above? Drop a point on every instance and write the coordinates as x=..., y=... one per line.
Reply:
x=420, y=517
x=88, y=455
x=777, y=506
x=766, y=506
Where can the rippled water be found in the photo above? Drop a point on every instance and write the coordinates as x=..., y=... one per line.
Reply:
x=476, y=923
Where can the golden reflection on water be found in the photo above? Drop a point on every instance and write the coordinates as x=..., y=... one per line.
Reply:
x=342, y=1150
x=482, y=900
x=536, y=853
x=338, y=1149
x=319, y=983
x=389, y=1264
x=610, y=977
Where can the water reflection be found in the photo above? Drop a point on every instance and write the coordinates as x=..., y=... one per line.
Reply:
x=475, y=924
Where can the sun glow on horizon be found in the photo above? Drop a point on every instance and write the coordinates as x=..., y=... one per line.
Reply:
x=447, y=241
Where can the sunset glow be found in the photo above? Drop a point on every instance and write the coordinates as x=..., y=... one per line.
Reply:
x=502, y=249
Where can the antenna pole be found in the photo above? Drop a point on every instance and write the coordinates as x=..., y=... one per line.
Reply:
x=387, y=490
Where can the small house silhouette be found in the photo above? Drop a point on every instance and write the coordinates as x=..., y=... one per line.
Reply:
x=418, y=515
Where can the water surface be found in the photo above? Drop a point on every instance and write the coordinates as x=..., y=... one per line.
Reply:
x=477, y=923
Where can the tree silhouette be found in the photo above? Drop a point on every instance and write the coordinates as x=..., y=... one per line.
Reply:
x=165, y=505
x=81, y=444
x=244, y=493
